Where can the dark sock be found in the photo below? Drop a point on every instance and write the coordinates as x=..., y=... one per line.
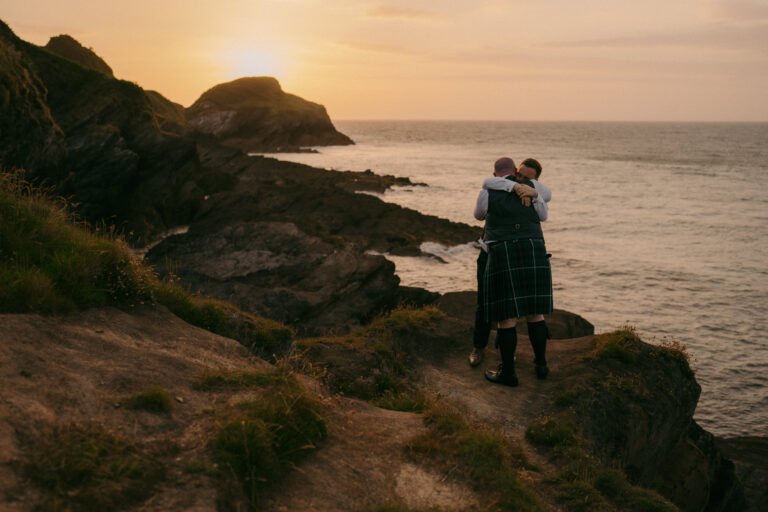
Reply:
x=537, y=332
x=482, y=330
x=507, y=340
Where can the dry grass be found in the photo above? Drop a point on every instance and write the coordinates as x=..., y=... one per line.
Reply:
x=477, y=454
x=85, y=468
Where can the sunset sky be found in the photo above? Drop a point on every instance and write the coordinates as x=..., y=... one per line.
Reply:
x=687, y=60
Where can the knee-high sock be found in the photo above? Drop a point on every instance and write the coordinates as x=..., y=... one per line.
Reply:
x=482, y=329
x=537, y=332
x=507, y=340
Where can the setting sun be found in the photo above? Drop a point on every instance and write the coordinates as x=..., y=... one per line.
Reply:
x=253, y=62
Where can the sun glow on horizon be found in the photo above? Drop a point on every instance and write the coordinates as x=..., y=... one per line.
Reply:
x=698, y=60
x=253, y=61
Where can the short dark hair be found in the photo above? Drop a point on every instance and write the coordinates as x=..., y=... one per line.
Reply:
x=533, y=164
x=503, y=164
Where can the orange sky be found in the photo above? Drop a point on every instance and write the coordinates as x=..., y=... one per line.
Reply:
x=656, y=60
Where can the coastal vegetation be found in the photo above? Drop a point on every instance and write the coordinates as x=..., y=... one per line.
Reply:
x=112, y=400
x=378, y=362
x=55, y=263
x=260, y=439
x=153, y=399
x=84, y=467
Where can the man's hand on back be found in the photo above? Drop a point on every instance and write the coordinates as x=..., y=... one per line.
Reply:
x=525, y=193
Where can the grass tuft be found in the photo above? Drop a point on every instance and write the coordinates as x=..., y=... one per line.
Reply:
x=480, y=455
x=220, y=380
x=552, y=433
x=85, y=468
x=52, y=263
x=153, y=399
x=261, y=439
x=621, y=345
x=377, y=362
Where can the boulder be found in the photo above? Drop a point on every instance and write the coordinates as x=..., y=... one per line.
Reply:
x=277, y=270
x=254, y=114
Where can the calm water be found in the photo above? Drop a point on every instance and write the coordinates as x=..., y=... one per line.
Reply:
x=661, y=226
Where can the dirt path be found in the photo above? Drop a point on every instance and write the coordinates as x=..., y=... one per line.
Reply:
x=362, y=466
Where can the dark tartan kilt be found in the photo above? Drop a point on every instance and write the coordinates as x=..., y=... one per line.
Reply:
x=517, y=280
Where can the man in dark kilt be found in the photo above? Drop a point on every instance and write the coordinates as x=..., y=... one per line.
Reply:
x=529, y=172
x=517, y=279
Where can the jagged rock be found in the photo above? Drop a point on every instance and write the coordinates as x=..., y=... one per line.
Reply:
x=67, y=47
x=750, y=454
x=276, y=270
x=636, y=409
x=96, y=140
x=30, y=135
x=254, y=114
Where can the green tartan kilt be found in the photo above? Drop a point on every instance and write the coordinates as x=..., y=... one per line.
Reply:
x=517, y=280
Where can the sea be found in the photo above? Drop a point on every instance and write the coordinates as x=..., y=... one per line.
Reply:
x=659, y=226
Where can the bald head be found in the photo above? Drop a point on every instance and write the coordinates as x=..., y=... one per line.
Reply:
x=504, y=166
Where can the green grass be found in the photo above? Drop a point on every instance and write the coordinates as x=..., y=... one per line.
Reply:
x=50, y=263
x=260, y=440
x=476, y=454
x=85, y=468
x=378, y=362
x=153, y=399
x=221, y=380
x=552, y=433
x=586, y=483
x=620, y=345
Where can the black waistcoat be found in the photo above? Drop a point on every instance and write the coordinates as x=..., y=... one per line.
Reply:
x=508, y=219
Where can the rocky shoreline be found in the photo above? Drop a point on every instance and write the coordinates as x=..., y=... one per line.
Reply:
x=289, y=242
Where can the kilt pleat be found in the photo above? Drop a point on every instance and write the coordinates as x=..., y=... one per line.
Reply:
x=517, y=280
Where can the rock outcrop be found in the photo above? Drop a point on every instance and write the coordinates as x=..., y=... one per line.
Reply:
x=67, y=47
x=254, y=114
x=288, y=241
x=635, y=405
x=96, y=140
x=127, y=158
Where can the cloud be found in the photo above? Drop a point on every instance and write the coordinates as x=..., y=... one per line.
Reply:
x=717, y=37
x=392, y=11
x=381, y=48
x=740, y=10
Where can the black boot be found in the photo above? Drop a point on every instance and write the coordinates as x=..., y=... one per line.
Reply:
x=507, y=340
x=537, y=332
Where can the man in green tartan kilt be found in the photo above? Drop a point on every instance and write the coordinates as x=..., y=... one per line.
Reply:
x=517, y=281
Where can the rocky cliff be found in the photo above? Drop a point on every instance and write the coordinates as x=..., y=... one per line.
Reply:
x=254, y=114
x=67, y=47
x=95, y=139
x=295, y=237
